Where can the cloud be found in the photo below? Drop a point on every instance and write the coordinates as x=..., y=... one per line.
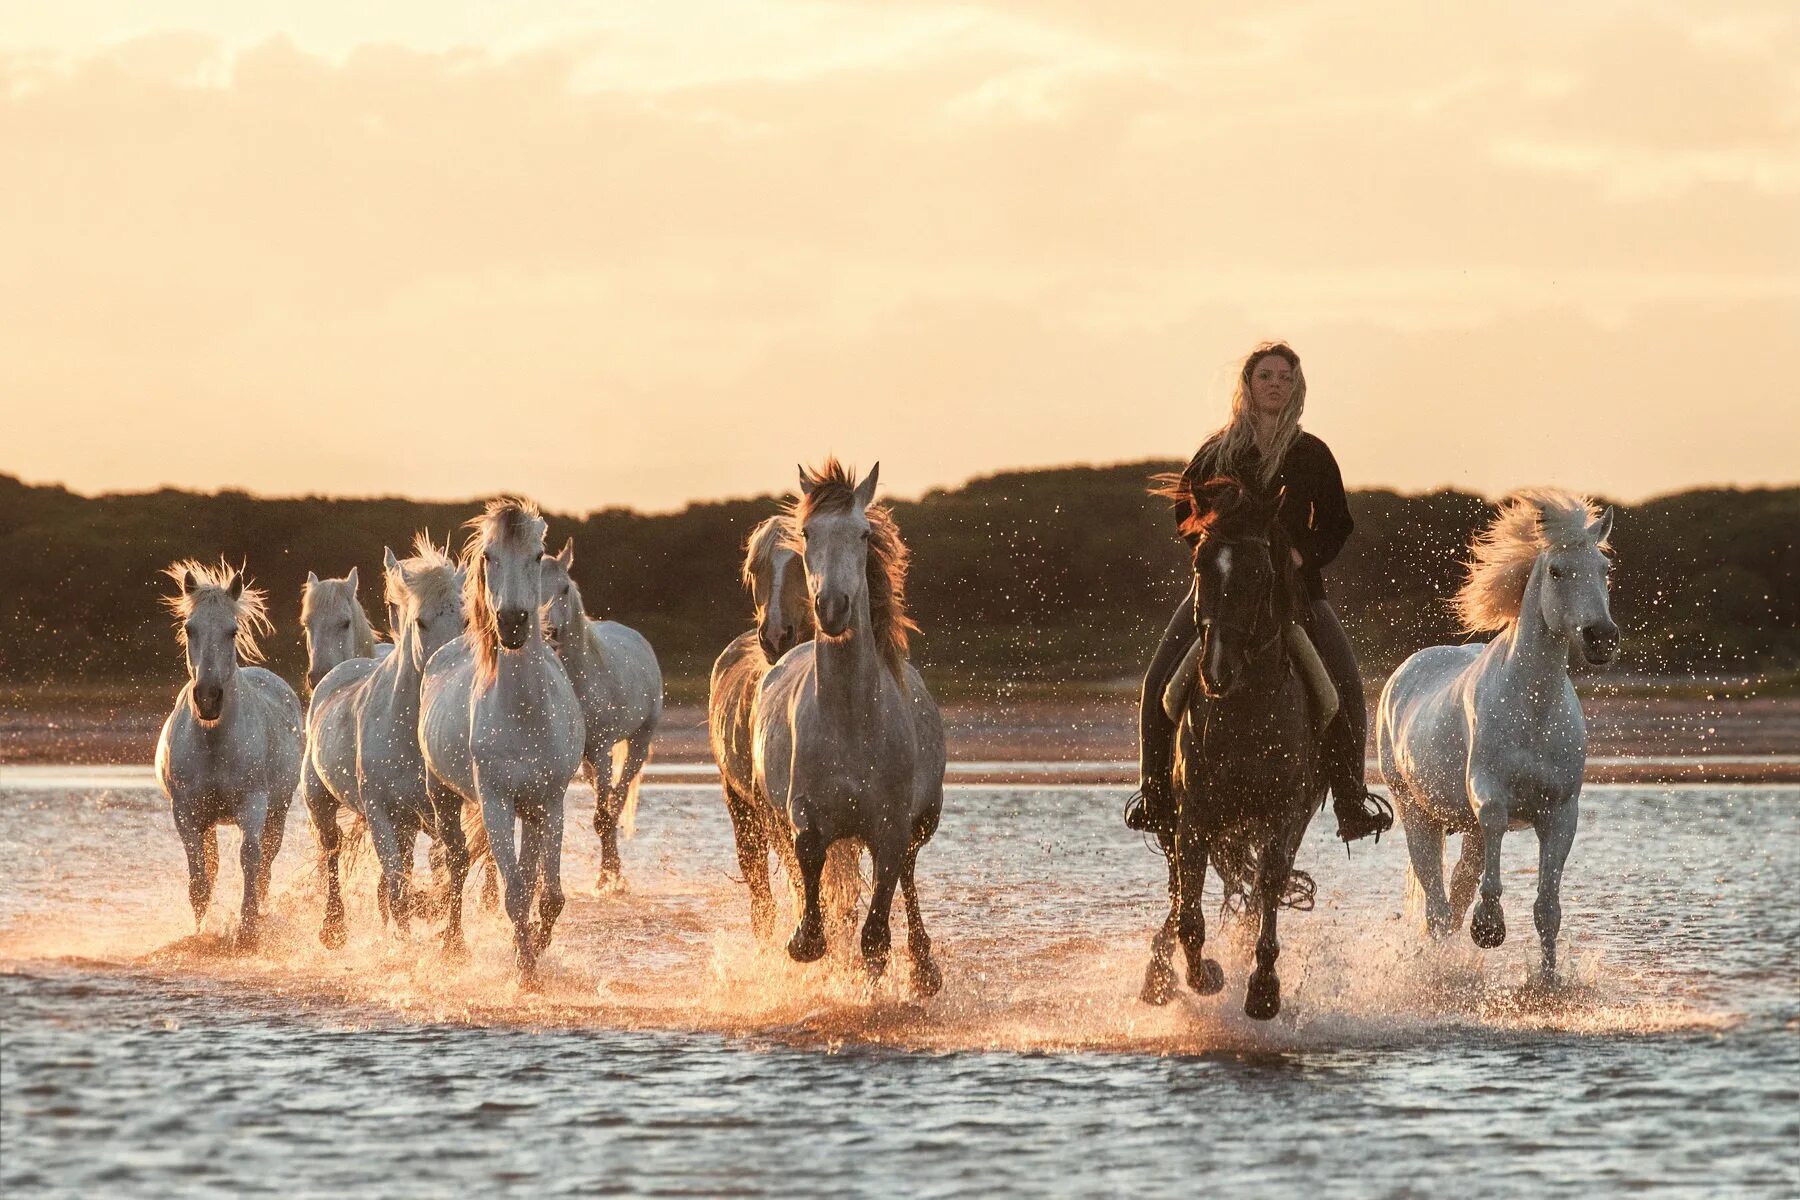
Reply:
x=1044, y=228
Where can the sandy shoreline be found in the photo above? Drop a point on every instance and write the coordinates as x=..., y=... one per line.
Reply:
x=1632, y=738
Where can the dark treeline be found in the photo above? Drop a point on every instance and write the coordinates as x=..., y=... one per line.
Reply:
x=1064, y=574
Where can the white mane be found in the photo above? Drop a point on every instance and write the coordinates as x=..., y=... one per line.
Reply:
x=1528, y=523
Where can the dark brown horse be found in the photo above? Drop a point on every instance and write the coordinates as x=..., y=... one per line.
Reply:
x=1248, y=775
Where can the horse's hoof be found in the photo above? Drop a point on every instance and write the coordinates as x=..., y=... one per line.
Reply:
x=1208, y=979
x=926, y=978
x=247, y=941
x=609, y=883
x=1262, y=1000
x=807, y=944
x=332, y=934
x=762, y=922
x=1159, y=984
x=456, y=951
x=1487, y=928
x=874, y=966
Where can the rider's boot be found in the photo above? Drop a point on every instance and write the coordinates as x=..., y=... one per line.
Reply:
x=1359, y=811
x=1151, y=809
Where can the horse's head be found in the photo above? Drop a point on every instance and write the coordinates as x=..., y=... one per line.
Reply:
x=562, y=607
x=331, y=619
x=217, y=619
x=1572, y=593
x=504, y=590
x=834, y=533
x=424, y=599
x=1235, y=569
x=775, y=574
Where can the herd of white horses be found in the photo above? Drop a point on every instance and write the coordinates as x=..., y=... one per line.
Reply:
x=496, y=689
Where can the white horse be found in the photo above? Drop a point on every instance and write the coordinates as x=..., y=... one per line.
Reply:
x=363, y=745
x=1477, y=739
x=499, y=721
x=616, y=678
x=847, y=741
x=337, y=630
x=775, y=575
x=230, y=751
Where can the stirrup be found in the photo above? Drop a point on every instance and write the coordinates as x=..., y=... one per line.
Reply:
x=1138, y=815
x=1374, y=815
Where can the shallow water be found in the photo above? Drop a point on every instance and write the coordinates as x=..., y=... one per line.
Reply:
x=668, y=1053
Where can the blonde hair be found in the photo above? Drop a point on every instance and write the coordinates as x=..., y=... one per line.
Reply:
x=1238, y=435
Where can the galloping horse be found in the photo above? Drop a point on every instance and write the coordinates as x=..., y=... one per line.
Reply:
x=1248, y=776
x=775, y=576
x=337, y=630
x=229, y=753
x=1477, y=739
x=500, y=724
x=616, y=677
x=363, y=745
x=848, y=743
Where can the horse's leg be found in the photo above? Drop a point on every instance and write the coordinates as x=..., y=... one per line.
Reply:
x=1464, y=877
x=1556, y=834
x=253, y=814
x=808, y=942
x=446, y=808
x=1262, y=999
x=753, y=861
x=1159, y=976
x=1487, y=928
x=599, y=773
x=877, y=934
x=324, y=809
x=1204, y=974
x=386, y=840
x=497, y=818
x=549, y=870
x=927, y=979
x=1425, y=846
x=274, y=830
x=622, y=802
x=201, y=844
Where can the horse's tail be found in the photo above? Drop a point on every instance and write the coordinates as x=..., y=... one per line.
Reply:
x=627, y=822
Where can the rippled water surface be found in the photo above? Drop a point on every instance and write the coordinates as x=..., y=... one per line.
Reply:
x=668, y=1053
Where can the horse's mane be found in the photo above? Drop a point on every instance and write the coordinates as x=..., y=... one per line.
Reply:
x=834, y=490
x=429, y=575
x=506, y=519
x=212, y=587
x=770, y=535
x=1528, y=523
x=313, y=594
x=1223, y=506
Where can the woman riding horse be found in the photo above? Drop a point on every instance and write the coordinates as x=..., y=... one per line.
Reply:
x=1263, y=445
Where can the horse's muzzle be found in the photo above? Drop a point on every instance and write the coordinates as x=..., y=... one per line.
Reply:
x=834, y=615
x=777, y=644
x=1600, y=642
x=514, y=625
x=314, y=679
x=208, y=702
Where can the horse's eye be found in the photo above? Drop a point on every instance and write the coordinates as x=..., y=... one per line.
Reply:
x=1556, y=572
x=865, y=535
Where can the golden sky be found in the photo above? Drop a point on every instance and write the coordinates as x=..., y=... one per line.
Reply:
x=634, y=253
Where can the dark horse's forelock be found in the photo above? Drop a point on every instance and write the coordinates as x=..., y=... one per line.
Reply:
x=1221, y=507
x=833, y=489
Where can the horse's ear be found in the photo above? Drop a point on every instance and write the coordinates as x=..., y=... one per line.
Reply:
x=312, y=579
x=566, y=556
x=806, y=481
x=236, y=586
x=188, y=582
x=865, y=491
x=351, y=580
x=388, y=562
x=1602, y=526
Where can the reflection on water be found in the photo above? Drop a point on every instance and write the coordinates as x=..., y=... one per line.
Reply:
x=668, y=1050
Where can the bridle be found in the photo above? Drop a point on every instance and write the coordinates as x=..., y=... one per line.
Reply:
x=1264, y=613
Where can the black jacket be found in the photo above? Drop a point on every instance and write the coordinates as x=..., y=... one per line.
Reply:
x=1313, y=511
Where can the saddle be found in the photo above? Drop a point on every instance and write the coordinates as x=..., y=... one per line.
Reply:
x=1306, y=661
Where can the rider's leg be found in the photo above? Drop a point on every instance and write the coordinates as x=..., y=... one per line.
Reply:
x=1359, y=812
x=1153, y=806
